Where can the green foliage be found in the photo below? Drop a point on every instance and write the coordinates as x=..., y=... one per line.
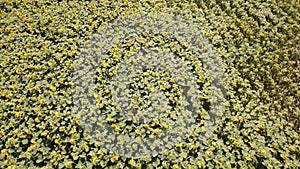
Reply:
x=257, y=41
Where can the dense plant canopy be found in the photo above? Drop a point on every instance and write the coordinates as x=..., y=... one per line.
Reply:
x=167, y=81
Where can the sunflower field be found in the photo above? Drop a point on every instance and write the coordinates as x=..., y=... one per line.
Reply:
x=94, y=84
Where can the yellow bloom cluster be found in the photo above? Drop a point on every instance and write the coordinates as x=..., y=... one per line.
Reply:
x=154, y=79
